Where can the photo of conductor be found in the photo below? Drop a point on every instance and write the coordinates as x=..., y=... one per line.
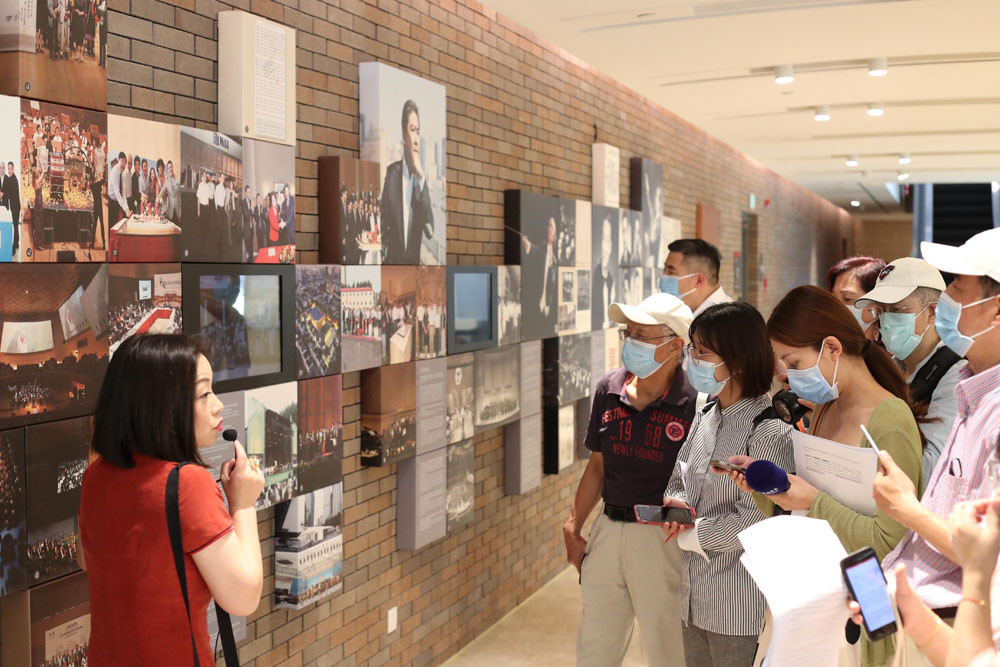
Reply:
x=63, y=195
x=399, y=294
x=403, y=129
x=56, y=455
x=13, y=524
x=604, y=267
x=53, y=341
x=317, y=320
x=531, y=241
x=320, y=432
x=432, y=316
x=211, y=188
x=509, y=304
x=633, y=247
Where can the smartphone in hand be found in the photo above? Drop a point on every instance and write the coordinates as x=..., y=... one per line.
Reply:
x=864, y=579
x=658, y=515
x=719, y=464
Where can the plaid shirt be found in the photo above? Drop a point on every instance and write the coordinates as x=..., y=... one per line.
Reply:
x=960, y=475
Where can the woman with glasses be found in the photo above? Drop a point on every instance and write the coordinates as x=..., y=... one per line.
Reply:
x=832, y=364
x=640, y=417
x=730, y=358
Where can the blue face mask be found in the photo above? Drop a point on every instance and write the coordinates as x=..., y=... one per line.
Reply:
x=809, y=384
x=639, y=359
x=701, y=374
x=672, y=285
x=949, y=312
x=898, y=334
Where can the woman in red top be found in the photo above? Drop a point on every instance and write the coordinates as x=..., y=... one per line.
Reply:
x=155, y=409
x=274, y=219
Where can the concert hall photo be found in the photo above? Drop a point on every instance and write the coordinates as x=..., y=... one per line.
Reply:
x=143, y=298
x=320, y=430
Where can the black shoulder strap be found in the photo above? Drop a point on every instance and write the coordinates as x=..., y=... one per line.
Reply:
x=176, y=546
x=930, y=374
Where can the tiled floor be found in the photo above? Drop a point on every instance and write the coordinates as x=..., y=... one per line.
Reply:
x=539, y=633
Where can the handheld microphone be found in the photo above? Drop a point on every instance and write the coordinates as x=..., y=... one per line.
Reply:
x=767, y=478
x=229, y=435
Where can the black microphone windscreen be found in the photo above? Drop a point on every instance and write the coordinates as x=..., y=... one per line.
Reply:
x=229, y=434
x=767, y=478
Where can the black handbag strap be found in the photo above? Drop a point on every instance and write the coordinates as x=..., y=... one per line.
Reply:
x=176, y=546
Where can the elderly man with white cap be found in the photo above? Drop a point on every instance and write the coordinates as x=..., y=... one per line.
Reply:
x=968, y=321
x=904, y=303
x=640, y=418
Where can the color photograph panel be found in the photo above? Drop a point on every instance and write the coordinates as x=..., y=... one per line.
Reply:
x=388, y=414
x=317, y=320
x=320, y=425
x=399, y=295
x=262, y=212
x=361, y=309
x=432, y=312
x=143, y=298
x=211, y=183
x=13, y=519
x=272, y=438
x=349, y=214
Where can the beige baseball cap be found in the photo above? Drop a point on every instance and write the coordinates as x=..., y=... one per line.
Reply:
x=979, y=256
x=898, y=280
x=660, y=308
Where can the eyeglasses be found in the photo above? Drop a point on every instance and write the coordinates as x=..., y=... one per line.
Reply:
x=624, y=335
x=871, y=313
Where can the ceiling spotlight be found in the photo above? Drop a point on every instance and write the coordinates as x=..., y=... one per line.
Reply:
x=902, y=175
x=822, y=113
x=904, y=158
x=855, y=203
x=852, y=161
x=783, y=74
x=878, y=67
x=875, y=110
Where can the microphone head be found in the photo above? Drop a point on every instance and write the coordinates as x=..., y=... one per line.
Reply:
x=767, y=478
x=229, y=434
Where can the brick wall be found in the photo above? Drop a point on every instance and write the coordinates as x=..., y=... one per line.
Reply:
x=521, y=114
x=887, y=236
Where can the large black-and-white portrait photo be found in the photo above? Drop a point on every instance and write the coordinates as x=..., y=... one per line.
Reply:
x=509, y=304
x=403, y=128
x=531, y=240
x=605, y=278
x=566, y=232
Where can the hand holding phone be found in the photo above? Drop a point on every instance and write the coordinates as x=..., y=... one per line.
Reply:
x=658, y=515
x=867, y=585
x=725, y=466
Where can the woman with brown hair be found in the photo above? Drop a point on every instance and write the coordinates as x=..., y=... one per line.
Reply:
x=852, y=277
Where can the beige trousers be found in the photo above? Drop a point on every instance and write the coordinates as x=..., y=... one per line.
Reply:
x=629, y=573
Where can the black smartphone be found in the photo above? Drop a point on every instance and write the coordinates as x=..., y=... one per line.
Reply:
x=725, y=465
x=867, y=585
x=658, y=514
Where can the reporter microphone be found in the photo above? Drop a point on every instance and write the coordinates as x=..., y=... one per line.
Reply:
x=229, y=435
x=767, y=478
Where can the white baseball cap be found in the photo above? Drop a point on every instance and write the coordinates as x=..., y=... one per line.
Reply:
x=898, y=280
x=660, y=308
x=979, y=256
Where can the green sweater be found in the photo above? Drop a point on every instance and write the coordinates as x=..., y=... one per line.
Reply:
x=894, y=430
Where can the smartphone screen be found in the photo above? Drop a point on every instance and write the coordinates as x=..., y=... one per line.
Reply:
x=659, y=514
x=867, y=584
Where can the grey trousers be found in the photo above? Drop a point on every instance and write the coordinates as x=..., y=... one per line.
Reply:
x=708, y=649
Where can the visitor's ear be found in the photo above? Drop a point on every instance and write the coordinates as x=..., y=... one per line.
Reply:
x=931, y=312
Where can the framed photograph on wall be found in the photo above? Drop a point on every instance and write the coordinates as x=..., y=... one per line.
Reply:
x=317, y=320
x=211, y=187
x=319, y=459
x=403, y=127
x=350, y=229
x=472, y=308
x=646, y=195
x=144, y=190
x=566, y=369
x=531, y=242
x=63, y=205
x=605, y=276
x=559, y=438
x=509, y=304
x=309, y=547
x=243, y=316
x=461, y=397
x=567, y=300
x=361, y=316
x=498, y=386
x=53, y=341
x=143, y=298
x=399, y=302
x=263, y=210
x=60, y=622
x=460, y=499
x=13, y=518
x=566, y=227
x=272, y=415
x=431, y=321
x=388, y=414
x=56, y=456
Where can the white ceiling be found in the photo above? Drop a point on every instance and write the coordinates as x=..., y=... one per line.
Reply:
x=712, y=63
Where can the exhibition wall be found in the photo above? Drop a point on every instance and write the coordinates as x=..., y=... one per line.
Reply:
x=520, y=115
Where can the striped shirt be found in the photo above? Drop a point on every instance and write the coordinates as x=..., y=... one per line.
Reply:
x=718, y=594
x=960, y=475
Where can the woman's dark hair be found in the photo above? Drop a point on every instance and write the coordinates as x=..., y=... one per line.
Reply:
x=865, y=269
x=737, y=333
x=809, y=315
x=146, y=404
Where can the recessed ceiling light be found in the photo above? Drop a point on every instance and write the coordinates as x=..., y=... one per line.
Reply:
x=822, y=113
x=875, y=110
x=904, y=158
x=852, y=161
x=878, y=67
x=902, y=175
x=855, y=203
x=783, y=74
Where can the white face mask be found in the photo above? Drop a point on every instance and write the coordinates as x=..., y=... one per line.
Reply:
x=858, y=315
